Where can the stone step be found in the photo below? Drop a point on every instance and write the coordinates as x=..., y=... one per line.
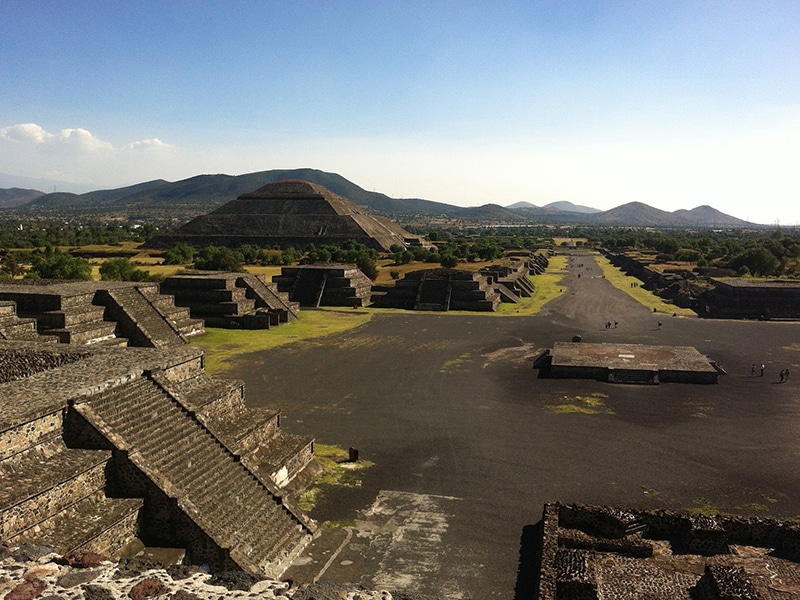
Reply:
x=96, y=524
x=247, y=429
x=8, y=307
x=60, y=319
x=84, y=333
x=212, y=397
x=39, y=486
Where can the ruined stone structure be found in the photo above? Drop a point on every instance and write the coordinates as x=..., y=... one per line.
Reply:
x=100, y=446
x=97, y=312
x=510, y=281
x=752, y=299
x=288, y=213
x=325, y=285
x=232, y=300
x=593, y=552
x=627, y=363
x=441, y=290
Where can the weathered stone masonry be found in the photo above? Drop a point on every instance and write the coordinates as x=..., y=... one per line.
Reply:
x=120, y=443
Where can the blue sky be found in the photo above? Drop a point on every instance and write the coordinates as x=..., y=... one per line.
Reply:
x=675, y=104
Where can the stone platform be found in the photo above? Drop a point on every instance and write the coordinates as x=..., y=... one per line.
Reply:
x=628, y=363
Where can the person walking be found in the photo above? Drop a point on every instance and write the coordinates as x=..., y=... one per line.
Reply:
x=762, y=369
x=753, y=370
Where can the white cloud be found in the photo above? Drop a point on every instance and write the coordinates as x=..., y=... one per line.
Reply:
x=77, y=155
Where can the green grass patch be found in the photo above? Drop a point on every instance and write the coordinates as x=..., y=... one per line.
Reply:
x=650, y=492
x=337, y=471
x=593, y=404
x=459, y=364
x=223, y=345
x=701, y=506
x=623, y=282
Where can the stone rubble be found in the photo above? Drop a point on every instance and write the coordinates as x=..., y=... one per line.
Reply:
x=28, y=572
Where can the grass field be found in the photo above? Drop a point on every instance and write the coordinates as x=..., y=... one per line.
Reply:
x=223, y=344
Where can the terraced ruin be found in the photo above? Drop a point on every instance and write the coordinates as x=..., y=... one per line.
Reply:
x=104, y=447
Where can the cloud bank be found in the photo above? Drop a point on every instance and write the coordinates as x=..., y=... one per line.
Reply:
x=77, y=155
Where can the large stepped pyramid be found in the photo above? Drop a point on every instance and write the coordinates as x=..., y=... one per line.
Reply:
x=100, y=447
x=288, y=213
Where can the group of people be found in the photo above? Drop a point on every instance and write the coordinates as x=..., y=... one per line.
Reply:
x=784, y=374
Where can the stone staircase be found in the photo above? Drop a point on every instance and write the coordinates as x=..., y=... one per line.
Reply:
x=308, y=287
x=178, y=316
x=267, y=296
x=138, y=319
x=253, y=433
x=433, y=294
x=634, y=376
x=54, y=496
x=244, y=516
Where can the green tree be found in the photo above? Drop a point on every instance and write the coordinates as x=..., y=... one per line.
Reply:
x=55, y=264
x=757, y=260
x=122, y=269
x=218, y=258
x=179, y=254
x=367, y=265
x=447, y=260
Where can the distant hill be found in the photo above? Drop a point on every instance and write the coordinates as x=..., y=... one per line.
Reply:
x=570, y=207
x=180, y=201
x=17, y=197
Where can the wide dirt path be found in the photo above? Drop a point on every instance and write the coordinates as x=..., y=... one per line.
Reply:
x=469, y=443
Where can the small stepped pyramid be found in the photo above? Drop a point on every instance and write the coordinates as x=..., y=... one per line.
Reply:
x=241, y=515
x=441, y=289
x=325, y=285
x=215, y=298
x=63, y=311
x=54, y=496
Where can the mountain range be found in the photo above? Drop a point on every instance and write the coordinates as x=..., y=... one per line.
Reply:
x=160, y=200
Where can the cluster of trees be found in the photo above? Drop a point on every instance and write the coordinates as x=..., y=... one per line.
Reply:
x=33, y=234
x=763, y=253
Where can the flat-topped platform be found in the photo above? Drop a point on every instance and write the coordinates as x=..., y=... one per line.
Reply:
x=630, y=363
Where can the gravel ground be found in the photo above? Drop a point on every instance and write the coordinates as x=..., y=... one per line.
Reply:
x=449, y=407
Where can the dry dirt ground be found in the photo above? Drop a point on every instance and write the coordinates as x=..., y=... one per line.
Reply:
x=469, y=442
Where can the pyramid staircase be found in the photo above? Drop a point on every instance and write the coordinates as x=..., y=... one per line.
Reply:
x=137, y=319
x=243, y=516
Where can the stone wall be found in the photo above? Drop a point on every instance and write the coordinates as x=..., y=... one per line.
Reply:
x=600, y=551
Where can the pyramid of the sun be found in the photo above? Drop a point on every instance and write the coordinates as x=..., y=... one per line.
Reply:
x=288, y=213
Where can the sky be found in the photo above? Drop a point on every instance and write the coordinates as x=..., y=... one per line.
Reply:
x=673, y=103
